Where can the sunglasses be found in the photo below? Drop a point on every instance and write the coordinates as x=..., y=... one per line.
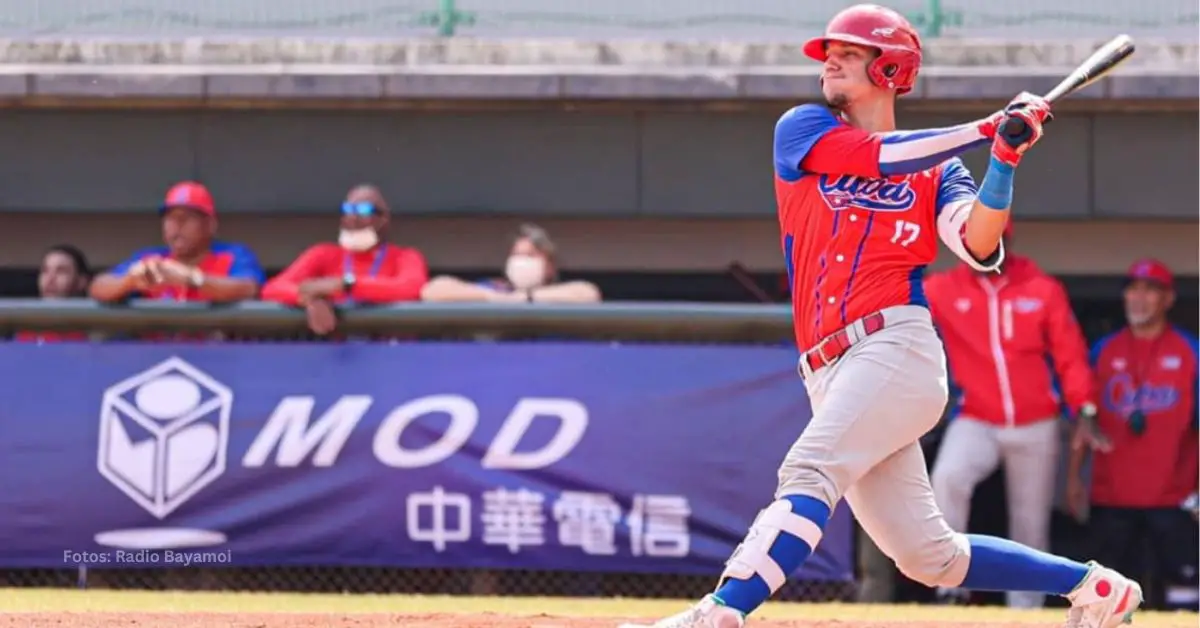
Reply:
x=359, y=209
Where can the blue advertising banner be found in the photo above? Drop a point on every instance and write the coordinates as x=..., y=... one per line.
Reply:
x=572, y=456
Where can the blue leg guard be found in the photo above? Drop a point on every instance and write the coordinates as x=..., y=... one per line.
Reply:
x=781, y=538
x=1002, y=565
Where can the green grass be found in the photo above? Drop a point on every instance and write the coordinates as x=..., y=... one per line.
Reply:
x=51, y=600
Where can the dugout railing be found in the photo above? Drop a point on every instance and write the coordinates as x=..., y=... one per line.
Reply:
x=692, y=323
x=660, y=322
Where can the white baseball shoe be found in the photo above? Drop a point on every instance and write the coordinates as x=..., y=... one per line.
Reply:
x=707, y=613
x=1105, y=599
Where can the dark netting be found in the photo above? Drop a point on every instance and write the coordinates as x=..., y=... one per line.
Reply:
x=408, y=581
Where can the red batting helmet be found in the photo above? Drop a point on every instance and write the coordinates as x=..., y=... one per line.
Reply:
x=880, y=28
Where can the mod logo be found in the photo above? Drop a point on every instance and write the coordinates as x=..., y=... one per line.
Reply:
x=163, y=436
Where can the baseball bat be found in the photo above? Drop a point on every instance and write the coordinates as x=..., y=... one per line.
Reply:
x=1107, y=57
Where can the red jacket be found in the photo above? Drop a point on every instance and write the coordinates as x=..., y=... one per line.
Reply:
x=999, y=331
x=385, y=274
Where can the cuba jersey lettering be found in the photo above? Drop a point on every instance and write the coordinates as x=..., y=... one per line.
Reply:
x=855, y=244
x=881, y=195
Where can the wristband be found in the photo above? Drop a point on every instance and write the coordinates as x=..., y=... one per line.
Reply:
x=997, y=188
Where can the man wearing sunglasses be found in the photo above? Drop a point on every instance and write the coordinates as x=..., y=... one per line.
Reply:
x=1144, y=478
x=361, y=267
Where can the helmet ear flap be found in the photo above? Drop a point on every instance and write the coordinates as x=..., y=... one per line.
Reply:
x=895, y=69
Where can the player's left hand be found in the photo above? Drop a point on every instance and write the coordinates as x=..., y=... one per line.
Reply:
x=172, y=272
x=1033, y=111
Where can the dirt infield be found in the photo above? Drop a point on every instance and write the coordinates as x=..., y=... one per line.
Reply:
x=437, y=620
x=67, y=608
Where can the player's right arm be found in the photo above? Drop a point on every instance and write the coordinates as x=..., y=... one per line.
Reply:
x=810, y=139
x=124, y=279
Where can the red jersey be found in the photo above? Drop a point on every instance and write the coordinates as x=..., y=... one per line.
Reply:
x=223, y=260
x=43, y=337
x=1003, y=333
x=1158, y=378
x=384, y=274
x=860, y=214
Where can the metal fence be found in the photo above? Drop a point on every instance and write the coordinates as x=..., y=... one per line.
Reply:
x=374, y=580
x=709, y=19
x=260, y=321
x=263, y=322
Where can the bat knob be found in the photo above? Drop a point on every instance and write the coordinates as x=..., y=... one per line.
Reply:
x=1014, y=131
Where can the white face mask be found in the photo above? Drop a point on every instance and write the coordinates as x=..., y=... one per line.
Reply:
x=525, y=272
x=358, y=239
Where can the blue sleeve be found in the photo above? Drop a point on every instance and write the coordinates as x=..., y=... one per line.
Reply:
x=1192, y=342
x=1098, y=348
x=1195, y=345
x=489, y=284
x=956, y=185
x=245, y=265
x=122, y=269
x=795, y=134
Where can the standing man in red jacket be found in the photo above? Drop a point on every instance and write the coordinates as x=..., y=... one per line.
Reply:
x=1143, y=490
x=362, y=266
x=999, y=330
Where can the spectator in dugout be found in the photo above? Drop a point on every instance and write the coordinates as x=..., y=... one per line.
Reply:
x=530, y=276
x=1006, y=335
x=191, y=265
x=64, y=274
x=361, y=267
x=1144, y=476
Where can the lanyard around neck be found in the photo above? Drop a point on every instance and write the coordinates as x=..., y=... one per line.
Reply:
x=348, y=265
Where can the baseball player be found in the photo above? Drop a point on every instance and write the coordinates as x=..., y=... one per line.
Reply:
x=861, y=207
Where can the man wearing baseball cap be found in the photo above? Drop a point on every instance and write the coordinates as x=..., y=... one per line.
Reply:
x=1145, y=477
x=191, y=265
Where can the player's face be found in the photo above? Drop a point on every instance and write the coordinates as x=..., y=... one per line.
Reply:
x=58, y=277
x=186, y=231
x=366, y=212
x=1146, y=302
x=844, y=77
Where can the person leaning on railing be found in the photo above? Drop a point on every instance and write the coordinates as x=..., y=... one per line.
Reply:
x=191, y=265
x=362, y=267
x=530, y=276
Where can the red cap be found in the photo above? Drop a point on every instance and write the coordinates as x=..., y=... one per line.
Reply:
x=1154, y=271
x=191, y=195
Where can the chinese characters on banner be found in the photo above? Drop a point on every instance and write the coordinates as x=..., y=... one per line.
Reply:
x=516, y=519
